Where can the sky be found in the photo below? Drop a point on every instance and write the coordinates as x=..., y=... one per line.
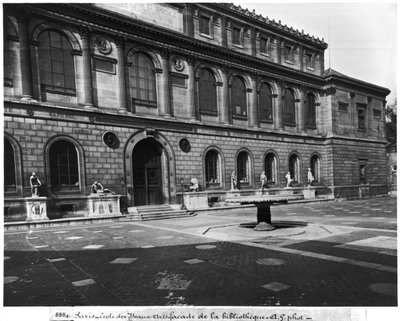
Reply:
x=362, y=37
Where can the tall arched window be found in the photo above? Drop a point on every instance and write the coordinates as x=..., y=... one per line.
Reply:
x=64, y=167
x=142, y=79
x=56, y=63
x=207, y=92
x=289, y=116
x=310, y=111
x=315, y=165
x=238, y=97
x=243, y=168
x=270, y=168
x=213, y=168
x=294, y=168
x=265, y=103
x=10, y=183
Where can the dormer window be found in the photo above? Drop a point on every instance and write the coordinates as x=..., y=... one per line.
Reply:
x=205, y=25
x=289, y=53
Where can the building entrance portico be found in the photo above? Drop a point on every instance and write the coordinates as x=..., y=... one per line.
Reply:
x=149, y=170
x=147, y=177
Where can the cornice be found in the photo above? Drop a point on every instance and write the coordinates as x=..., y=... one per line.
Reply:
x=357, y=85
x=105, y=20
x=271, y=24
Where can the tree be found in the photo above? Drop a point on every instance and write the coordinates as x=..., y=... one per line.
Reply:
x=391, y=124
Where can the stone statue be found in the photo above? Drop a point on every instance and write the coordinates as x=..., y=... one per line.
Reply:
x=35, y=184
x=288, y=180
x=97, y=188
x=263, y=180
x=310, y=177
x=195, y=184
x=233, y=181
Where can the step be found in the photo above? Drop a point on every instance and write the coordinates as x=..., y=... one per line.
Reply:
x=159, y=215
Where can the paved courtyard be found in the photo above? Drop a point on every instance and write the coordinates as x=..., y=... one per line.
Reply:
x=344, y=256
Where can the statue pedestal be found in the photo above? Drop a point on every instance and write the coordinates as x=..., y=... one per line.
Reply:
x=309, y=192
x=286, y=191
x=103, y=204
x=195, y=200
x=36, y=209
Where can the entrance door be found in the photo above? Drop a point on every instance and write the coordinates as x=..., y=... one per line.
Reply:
x=147, y=182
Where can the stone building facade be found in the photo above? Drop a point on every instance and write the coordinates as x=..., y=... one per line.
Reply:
x=144, y=97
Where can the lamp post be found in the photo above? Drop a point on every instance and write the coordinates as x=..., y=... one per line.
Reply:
x=183, y=207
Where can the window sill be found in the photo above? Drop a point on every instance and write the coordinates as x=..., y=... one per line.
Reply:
x=67, y=92
x=265, y=55
x=267, y=121
x=239, y=117
x=311, y=126
x=205, y=35
x=209, y=112
x=236, y=45
x=290, y=124
x=141, y=103
x=310, y=68
x=290, y=62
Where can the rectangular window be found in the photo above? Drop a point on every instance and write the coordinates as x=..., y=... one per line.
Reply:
x=377, y=114
x=104, y=66
x=264, y=46
x=205, y=25
x=343, y=107
x=363, y=174
x=309, y=61
x=361, y=113
x=236, y=36
x=289, y=53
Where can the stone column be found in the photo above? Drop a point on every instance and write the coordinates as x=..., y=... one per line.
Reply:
x=224, y=113
x=84, y=32
x=253, y=110
x=253, y=41
x=224, y=32
x=25, y=56
x=301, y=108
x=279, y=105
x=165, y=85
x=191, y=88
x=120, y=43
x=301, y=56
x=188, y=20
x=279, y=49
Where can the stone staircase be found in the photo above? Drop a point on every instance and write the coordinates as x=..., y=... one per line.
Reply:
x=157, y=212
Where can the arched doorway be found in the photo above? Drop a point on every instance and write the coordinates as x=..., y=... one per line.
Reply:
x=147, y=173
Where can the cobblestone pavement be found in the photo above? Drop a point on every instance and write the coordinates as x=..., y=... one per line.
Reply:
x=346, y=256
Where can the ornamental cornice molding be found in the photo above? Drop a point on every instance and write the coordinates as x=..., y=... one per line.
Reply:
x=145, y=33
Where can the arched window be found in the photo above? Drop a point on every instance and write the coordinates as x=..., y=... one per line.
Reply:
x=310, y=111
x=238, y=97
x=207, y=92
x=243, y=168
x=265, y=103
x=213, y=168
x=7, y=71
x=294, y=168
x=270, y=168
x=10, y=183
x=315, y=165
x=142, y=79
x=289, y=116
x=56, y=63
x=64, y=167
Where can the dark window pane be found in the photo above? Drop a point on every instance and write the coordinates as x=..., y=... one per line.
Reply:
x=205, y=25
x=265, y=103
x=56, y=62
x=310, y=111
x=212, y=168
x=289, y=108
x=142, y=79
x=64, y=169
x=236, y=39
x=208, y=92
x=9, y=166
x=238, y=97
